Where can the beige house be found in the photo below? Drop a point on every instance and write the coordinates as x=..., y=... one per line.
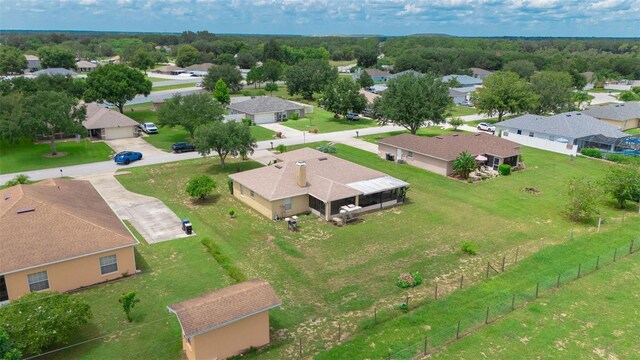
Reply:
x=309, y=180
x=624, y=116
x=63, y=236
x=226, y=322
x=107, y=124
x=169, y=70
x=437, y=154
x=266, y=109
x=85, y=66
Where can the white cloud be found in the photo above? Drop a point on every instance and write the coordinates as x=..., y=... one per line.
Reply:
x=409, y=9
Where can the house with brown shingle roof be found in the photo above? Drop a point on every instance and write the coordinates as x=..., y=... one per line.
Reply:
x=309, y=180
x=60, y=235
x=226, y=322
x=106, y=124
x=437, y=154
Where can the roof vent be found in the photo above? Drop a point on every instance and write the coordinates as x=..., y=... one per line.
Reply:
x=455, y=135
x=278, y=166
x=439, y=137
x=578, y=113
x=568, y=115
x=323, y=158
x=25, y=211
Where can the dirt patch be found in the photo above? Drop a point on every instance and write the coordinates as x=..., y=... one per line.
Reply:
x=532, y=190
x=59, y=154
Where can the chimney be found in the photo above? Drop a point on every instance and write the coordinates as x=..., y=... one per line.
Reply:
x=301, y=173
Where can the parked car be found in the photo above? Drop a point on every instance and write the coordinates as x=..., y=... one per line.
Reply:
x=126, y=157
x=352, y=116
x=149, y=128
x=486, y=127
x=182, y=147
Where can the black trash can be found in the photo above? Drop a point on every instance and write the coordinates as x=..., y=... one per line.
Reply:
x=187, y=227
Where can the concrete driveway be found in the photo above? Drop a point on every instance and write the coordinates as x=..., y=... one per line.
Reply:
x=150, y=216
x=134, y=144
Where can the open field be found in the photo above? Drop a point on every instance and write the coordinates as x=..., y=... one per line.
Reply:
x=27, y=156
x=326, y=274
x=324, y=122
x=342, y=62
x=427, y=131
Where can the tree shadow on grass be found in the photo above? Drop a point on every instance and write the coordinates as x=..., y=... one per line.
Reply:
x=209, y=200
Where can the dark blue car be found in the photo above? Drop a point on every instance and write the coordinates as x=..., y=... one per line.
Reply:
x=126, y=157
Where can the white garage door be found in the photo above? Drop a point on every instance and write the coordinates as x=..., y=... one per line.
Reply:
x=264, y=118
x=119, y=133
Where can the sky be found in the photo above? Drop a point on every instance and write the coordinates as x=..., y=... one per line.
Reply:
x=562, y=18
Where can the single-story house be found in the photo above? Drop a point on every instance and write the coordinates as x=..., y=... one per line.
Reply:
x=461, y=95
x=309, y=180
x=412, y=72
x=624, y=116
x=33, y=63
x=437, y=154
x=226, y=322
x=85, y=66
x=370, y=96
x=480, y=73
x=464, y=80
x=376, y=75
x=169, y=70
x=198, y=69
x=56, y=71
x=107, y=124
x=266, y=109
x=565, y=133
x=60, y=235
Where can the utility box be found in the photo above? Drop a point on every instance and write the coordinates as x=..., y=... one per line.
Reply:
x=187, y=227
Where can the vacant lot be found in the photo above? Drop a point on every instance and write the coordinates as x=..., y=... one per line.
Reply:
x=29, y=156
x=328, y=275
x=324, y=122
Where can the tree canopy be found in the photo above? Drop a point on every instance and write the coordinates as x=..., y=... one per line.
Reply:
x=221, y=93
x=143, y=60
x=190, y=111
x=58, y=83
x=228, y=73
x=504, y=93
x=554, y=90
x=57, y=57
x=12, y=60
x=623, y=183
x=411, y=101
x=524, y=68
x=309, y=76
x=187, y=56
x=272, y=70
x=255, y=75
x=365, y=80
x=116, y=84
x=343, y=96
x=200, y=187
x=245, y=59
x=224, y=138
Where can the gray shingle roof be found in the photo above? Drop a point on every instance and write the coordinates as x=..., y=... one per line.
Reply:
x=571, y=125
x=620, y=112
x=464, y=80
x=55, y=71
x=265, y=104
x=412, y=72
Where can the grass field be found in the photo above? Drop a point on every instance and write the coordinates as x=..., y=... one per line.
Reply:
x=428, y=131
x=633, y=131
x=324, y=122
x=154, y=79
x=342, y=62
x=463, y=111
x=327, y=275
x=172, y=87
x=29, y=156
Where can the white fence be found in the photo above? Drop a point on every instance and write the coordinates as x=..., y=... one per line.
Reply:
x=543, y=144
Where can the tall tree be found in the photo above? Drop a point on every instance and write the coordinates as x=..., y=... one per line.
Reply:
x=271, y=87
x=228, y=73
x=272, y=51
x=411, y=101
x=343, y=96
x=116, y=84
x=365, y=80
x=190, y=111
x=272, y=70
x=255, y=75
x=221, y=92
x=225, y=59
x=187, y=55
x=245, y=59
x=309, y=76
x=524, y=68
x=48, y=112
x=57, y=57
x=366, y=57
x=12, y=61
x=623, y=183
x=224, y=138
x=555, y=91
x=504, y=93
x=143, y=60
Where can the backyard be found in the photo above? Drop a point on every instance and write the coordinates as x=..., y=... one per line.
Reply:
x=324, y=122
x=327, y=275
x=27, y=156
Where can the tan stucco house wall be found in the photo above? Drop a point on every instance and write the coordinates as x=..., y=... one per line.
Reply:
x=270, y=209
x=229, y=340
x=437, y=166
x=73, y=274
x=623, y=125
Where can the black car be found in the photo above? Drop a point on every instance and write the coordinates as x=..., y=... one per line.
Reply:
x=182, y=147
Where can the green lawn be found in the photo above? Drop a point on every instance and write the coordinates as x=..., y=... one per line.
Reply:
x=154, y=79
x=342, y=62
x=327, y=275
x=172, y=87
x=633, y=131
x=428, y=131
x=29, y=156
x=324, y=122
x=459, y=110
x=602, y=90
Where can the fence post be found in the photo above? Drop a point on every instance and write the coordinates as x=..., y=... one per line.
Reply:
x=598, y=262
x=631, y=247
x=375, y=315
x=339, y=332
x=558, y=282
x=426, y=339
x=517, y=251
x=488, y=270
x=407, y=302
x=615, y=252
x=599, y=223
x=537, y=288
x=458, y=330
x=461, y=280
x=579, y=266
x=504, y=258
x=486, y=317
x=436, y=292
x=513, y=302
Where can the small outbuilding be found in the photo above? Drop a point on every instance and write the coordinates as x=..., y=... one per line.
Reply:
x=226, y=322
x=107, y=124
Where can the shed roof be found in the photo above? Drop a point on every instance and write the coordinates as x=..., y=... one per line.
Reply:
x=264, y=104
x=620, y=112
x=570, y=125
x=225, y=306
x=69, y=219
x=448, y=147
x=99, y=117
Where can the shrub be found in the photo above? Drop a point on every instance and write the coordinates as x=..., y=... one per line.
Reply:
x=294, y=116
x=404, y=307
x=594, y=153
x=18, y=179
x=233, y=272
x=407, y=280
x=128, y=302
x=281, y=148
x=456, y=122
x=247, y=121
x=314, y=131
x=504, y=169
x=200, y=186
x=232, y=213
x=623, y=159
x=469, y=248
x=326, y=148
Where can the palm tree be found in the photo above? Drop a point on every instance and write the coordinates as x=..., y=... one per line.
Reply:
x=464, y=164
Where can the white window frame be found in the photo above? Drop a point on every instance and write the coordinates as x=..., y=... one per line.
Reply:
x=102, y=266
x=38, y=281
x=410, y=155
x=287, y=204
x=241, y=190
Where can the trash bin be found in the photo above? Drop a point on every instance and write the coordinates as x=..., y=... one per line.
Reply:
x=187, y=227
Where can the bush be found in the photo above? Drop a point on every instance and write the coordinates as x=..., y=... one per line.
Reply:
x=247, y=121
x=469, y=248
x=407, y=280
x=233, y=272
x=326, y=148
x=594, y=153
x=314, y=131
x=281, y=148
x=200, y=186
x=623, y=159
x=294, y=116
x=230, y=186
x=504, y=169
x=232, y=213
x=18, y=179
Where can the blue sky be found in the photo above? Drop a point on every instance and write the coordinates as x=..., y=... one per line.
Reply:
x=598, y=18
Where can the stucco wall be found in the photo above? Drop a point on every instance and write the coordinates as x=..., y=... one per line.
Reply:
x=260, y=204
x=119, y=133
x=73, y=274
x=540, y=143
x=232, y=339
x=299, y=204
x=622, y=125
x=437, y=166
